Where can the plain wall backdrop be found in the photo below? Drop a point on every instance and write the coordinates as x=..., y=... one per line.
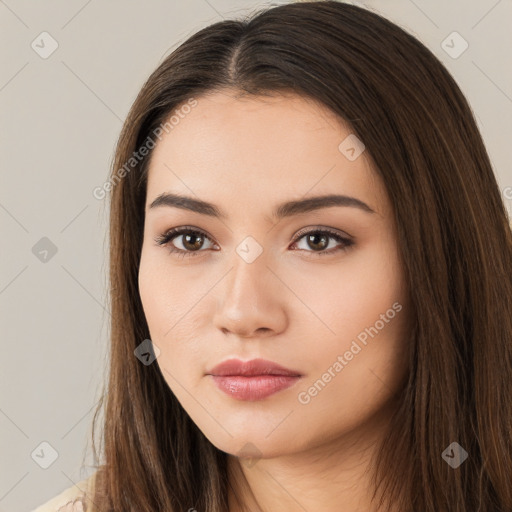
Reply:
x=70, y=71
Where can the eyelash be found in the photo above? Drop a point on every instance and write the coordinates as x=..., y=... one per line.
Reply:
x=166, y=237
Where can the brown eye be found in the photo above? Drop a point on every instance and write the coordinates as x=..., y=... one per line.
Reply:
x=192, y=241
x=318, y=240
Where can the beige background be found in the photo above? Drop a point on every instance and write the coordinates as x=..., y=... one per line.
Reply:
x=60, y=119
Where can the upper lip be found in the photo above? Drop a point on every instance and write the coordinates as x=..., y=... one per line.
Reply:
x=251, y=368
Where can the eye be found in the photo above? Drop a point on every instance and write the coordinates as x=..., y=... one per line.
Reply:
x=192, y=240
x=318, y=240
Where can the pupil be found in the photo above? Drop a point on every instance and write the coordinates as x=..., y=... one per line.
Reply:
x=315, y=237
x=193, y=246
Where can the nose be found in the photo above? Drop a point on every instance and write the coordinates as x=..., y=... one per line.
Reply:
x=252, y=300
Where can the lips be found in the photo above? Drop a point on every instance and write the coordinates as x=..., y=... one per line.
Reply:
x=251, y=368
x=252, y=380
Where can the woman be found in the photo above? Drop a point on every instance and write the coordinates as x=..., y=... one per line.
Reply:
x=310, y=280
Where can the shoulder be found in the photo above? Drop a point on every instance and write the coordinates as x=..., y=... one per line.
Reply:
x=73, y=499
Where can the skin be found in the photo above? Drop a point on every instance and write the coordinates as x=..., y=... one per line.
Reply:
x=293, y=307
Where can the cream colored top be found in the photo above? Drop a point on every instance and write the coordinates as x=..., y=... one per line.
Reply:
x=73, y=499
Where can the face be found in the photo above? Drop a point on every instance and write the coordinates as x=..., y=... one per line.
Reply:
x=317, y=289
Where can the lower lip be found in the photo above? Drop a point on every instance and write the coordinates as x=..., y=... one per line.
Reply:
x=253, y=388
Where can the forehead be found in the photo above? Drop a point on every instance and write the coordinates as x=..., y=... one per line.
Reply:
x=237, y=150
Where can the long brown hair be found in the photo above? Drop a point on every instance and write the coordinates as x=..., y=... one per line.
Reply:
x=455, y=244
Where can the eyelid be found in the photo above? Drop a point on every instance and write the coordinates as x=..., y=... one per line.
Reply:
x=331, y=231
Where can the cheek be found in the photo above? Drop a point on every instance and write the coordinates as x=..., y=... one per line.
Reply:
x=354, y=379
x=165, y=293
x=159, y=303
x=171, y=303
x=153, y=294
x=362, y=352
x=342, y=300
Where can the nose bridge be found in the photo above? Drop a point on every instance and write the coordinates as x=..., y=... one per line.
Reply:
x=249, y=275
x=249, y=300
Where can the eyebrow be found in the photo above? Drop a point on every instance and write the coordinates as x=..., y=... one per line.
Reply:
x=286, y=209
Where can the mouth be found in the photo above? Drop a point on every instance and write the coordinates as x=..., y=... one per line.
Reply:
x=252, y=380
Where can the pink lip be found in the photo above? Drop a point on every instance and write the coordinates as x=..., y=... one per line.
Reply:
x=252, y=380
